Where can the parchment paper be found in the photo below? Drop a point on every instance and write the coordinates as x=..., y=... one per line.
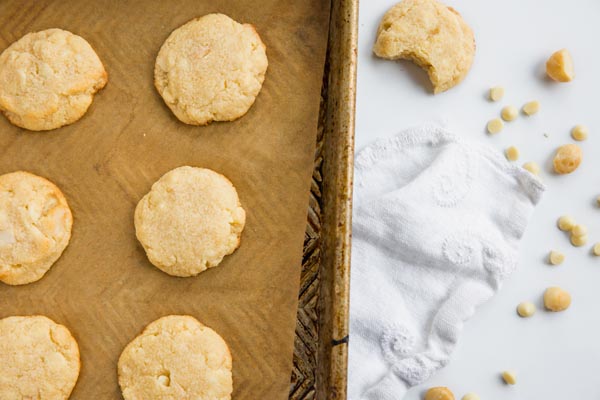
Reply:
x=103, y=288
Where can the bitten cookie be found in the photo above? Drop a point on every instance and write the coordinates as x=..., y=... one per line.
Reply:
x=39, y=359
x=176, y=357
x=35, y=227
x=211, y=69
x=48, y=79
x=430, y=34
x=189, y=221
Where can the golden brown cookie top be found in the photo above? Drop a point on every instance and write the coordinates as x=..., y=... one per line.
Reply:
x=189, y=221
x=48, y=79
x=176, y=357
x=35, y=226
x=211, y=69
x=430, y=34
x=39, y=359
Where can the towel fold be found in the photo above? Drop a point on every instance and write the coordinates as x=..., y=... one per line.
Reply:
x=436, y=226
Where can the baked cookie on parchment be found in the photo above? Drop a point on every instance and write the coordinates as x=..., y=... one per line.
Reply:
x=176, y=357
x=48, y=79
x=35, y=227
x=39, y=359
x=430, y=34
x=189, y=221
x=211, y=69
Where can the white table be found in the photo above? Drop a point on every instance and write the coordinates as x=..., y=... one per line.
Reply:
x=556, y=356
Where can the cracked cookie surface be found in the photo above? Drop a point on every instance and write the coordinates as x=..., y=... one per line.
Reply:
x=432, y=35
x=189, y=221
x=176, y=357
x=35, y=227
x=39, y=359
x=48, y=79
x=211, y=69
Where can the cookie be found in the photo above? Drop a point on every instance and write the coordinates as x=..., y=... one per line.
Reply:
x=39, y=359
x=211, y=69
x=430, y=34
x=189, y=221
x=48, y=79
x=176, y=357
x=35, y=227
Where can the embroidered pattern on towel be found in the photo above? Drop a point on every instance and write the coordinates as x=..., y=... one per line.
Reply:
x=436, y=226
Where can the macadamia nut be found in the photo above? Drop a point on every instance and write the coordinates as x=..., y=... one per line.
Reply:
x=559, y=66
x=439, y=393
x=567, y=159
x=556, y=299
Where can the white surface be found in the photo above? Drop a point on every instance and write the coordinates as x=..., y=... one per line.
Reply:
x=555, y=356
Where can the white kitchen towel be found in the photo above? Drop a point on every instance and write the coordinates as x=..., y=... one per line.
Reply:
x=436, y=226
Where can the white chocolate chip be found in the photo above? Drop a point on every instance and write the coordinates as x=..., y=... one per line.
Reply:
x=183, y=64
x=526, y=309
x=532, y=167
x=566, y=223
x=512, y=153
x=579, y=132
x=167, y=96
x=509, y=113
x=579, y=230
x=509, y=377
x=164, y=380
x=57, y=38
x=22, y=76
x=76, y=44
x=59, y=216
x=556, y=257
x=579, y=241
x=496, y=93
x=45, y=71
x=495, y=125
x=531, y=107
x=172, y=60
x=7, y=237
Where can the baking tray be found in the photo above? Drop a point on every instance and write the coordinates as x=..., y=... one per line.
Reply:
x=321, y=344
x=103, y=287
